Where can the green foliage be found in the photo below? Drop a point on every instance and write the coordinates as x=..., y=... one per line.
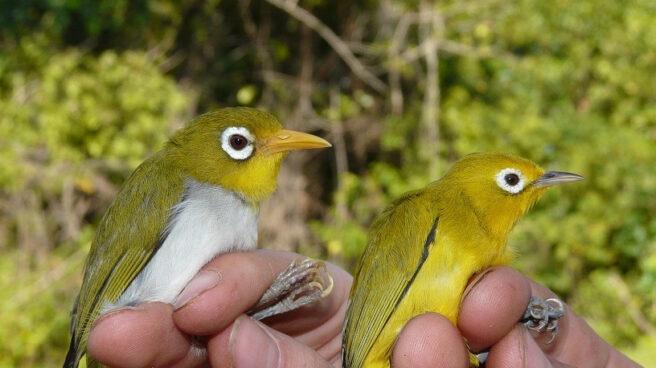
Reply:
x=87, y=90
x=72, y=123
x=35, y=301
x=78, y=107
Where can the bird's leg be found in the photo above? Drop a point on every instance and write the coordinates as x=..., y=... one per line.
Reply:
x=542, y=315
x=303, y=282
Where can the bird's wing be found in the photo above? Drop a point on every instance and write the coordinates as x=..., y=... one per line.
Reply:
x=398, y=244
x=129, y=234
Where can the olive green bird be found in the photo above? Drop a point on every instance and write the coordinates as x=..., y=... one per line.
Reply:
x=196, y=198
x=422, y=250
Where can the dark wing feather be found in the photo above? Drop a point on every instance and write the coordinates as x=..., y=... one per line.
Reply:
x=398, y=244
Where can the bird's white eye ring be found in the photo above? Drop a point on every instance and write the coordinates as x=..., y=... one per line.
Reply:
x=511, y=180
x=237, y=142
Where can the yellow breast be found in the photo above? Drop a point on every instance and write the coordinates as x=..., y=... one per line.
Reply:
x=437, y=288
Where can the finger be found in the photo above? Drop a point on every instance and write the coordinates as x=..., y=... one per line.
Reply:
x=576, y=343
x=518, y=349
x=223, y=289
x=493, y=306
x=144, y=336
x=251, y=344
x=240, y=280
x=429, y=340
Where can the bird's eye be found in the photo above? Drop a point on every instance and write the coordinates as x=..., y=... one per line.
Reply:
x=511, y=180
x=237, y=142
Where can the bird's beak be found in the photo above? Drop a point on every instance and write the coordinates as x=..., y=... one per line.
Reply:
x=288, y=140
x=555, y=177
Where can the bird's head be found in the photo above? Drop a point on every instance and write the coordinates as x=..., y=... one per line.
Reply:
x=500, y=187
x=239, y=148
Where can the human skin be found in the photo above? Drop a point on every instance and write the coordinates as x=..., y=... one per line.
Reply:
x=213, y=306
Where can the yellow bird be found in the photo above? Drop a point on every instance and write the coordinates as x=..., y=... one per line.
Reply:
x=422, y=250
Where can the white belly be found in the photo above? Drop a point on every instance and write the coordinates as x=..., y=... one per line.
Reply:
x=207, y=222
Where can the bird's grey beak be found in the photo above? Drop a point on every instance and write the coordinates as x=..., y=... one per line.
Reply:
x=556, y=177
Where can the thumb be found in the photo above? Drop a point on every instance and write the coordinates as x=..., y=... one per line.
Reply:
x=254, y=345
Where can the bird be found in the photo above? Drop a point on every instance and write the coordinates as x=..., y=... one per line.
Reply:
x=422, y=250
x=196, y=198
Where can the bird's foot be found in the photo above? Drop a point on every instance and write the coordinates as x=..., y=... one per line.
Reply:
x=303, y=282
x=542, y=315
x=476, y=360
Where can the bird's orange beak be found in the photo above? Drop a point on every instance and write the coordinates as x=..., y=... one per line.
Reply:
x=288, y=140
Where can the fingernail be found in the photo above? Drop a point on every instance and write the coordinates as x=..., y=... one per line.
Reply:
x=251, y=346
x=114, y=312
x=204, y=280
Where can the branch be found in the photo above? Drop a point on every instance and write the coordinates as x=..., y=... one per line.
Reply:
x=305, y=72
x=469, y=7
x=452, y=47
x=431, y=28
x=397, y=40
x=340, y=47
x=624, y=293
x=341, y=157
x=258, y=36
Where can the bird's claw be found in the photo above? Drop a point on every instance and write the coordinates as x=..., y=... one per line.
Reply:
x=303, y=282
x=542, y=315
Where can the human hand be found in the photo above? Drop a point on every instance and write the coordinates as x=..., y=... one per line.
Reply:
x=156, y=334
x=493, y=304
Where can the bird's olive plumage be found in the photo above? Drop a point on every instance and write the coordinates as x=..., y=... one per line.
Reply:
x=152, y=203
x=197, y=151
x=123, y=246
x=422, y=249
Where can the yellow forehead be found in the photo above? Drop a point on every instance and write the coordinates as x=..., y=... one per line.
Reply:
x=486, y=165
x=259, y=123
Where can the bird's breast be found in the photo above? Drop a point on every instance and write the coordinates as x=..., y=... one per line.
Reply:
x=437, y=287
x=208, y=221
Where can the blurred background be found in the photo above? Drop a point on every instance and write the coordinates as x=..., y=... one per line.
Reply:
x=401, y=87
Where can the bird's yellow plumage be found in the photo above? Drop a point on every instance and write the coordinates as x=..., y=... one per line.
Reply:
x=422, y=250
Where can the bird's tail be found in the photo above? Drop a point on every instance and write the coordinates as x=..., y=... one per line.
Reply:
x=72, y=357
